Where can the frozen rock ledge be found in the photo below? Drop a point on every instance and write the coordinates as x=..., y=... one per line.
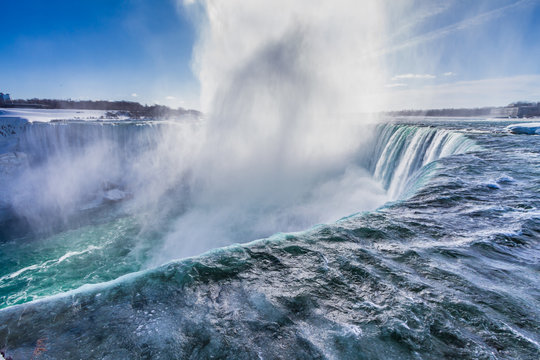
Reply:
x=527, y=128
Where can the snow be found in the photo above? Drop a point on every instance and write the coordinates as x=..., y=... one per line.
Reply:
x=48, y=115
x=526, y=128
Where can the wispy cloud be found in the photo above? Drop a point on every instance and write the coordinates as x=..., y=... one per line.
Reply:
x=413, y=76
x=170, y=97
x=461, y=25
x=395, y=85
x=449, y=73
x=134, y=95
x=419, y=16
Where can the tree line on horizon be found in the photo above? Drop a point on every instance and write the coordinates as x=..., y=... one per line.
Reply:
x=485, y=111
x=524, y=109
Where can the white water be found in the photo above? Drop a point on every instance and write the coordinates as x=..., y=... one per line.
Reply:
x=403, y=150
x=71, y=166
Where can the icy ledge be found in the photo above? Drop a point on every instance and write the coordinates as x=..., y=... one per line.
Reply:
x=527, y=128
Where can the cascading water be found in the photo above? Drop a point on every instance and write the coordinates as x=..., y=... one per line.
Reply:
x=68, y=167
x=401, y=150
x=109, y=155
x=42, y=141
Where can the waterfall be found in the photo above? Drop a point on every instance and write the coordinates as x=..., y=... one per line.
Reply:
x=71, y=165
x=42, y=141
x=401, y=150
x=65, y=168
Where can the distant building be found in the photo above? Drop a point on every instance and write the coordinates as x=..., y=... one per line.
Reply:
x=529, y=110
x=526, y=109
x=4, y=98
x=519, y=109
x=504, y=112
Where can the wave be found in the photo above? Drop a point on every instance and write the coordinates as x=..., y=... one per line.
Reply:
x=337, y=291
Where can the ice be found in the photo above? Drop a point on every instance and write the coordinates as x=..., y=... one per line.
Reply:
x=526, y=128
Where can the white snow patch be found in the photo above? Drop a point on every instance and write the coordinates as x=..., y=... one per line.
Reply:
x=48, y=115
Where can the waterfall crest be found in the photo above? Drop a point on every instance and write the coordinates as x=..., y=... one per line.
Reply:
x=402, y=150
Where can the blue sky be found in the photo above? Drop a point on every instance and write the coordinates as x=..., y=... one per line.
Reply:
x=456, y=53
x=469, y=53
x=97, y=49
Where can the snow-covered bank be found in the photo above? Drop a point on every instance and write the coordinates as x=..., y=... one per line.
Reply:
x=48, y=115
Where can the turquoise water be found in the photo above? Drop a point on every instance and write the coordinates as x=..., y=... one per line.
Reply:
x=70, y=259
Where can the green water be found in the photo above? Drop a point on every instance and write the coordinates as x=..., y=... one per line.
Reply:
x=36, y=266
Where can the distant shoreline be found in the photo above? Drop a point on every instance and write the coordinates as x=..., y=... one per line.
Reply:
x=514, y=110
x=134, y=109
x=138, y=111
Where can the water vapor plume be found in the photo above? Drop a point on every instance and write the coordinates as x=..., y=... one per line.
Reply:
x=333, y=43
x=287, y=90
x=279, y=82
x=72, y=169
